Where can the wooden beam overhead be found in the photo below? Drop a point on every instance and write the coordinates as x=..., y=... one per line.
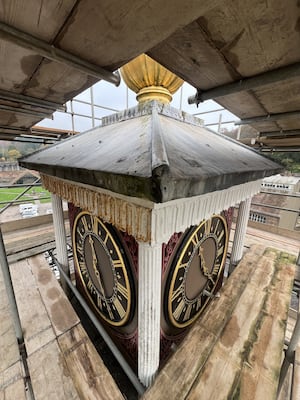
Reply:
x=266, y=78
x=282, y=133
x=50, y=52
x=30, y=101
x=268, y=117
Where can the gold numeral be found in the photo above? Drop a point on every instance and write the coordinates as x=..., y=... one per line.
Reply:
x=123, y=290
x=216, y=268
x=119, y=307
x=90, y=285
x=85, y=224
x=221, y=234
x=179, y=309
x=207, y=226
x=188, y=312
x=220, y=251
x=95, y=225
x=83, y=268
x=216, y=227
x=176, y=293
x=118, y=263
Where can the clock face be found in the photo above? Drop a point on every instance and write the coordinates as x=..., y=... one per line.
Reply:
x=195, y=272
x=103, y=269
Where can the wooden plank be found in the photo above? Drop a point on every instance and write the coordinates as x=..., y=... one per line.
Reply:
x=177, y=377
x=49, y=374
x=223, y=367
x=12, y=383
x=235, y=349
x=267, y=350
x=36, y=323
x=59, y=309
x=9, y=350
x=88, y=372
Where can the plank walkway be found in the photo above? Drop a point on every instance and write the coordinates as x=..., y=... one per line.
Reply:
x=234, y=351
x=63, y=363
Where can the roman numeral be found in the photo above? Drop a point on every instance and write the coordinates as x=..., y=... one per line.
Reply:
x=90, y=285
x=117, y=263
x=119, y=307
x=99, y=302
x=216, y=226
x=216, y=268
x=195, y=239
x=85, y=223
x=83, y=268
x=79, y=249
x=176, y=293
x=187, y=314
x=95, y=225
x=178, y=311
x=207, y=226
x=220, y=251
x=221, y=234
x=123, y=290
x=110, y=313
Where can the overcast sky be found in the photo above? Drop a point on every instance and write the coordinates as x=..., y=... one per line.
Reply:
x=107, y=95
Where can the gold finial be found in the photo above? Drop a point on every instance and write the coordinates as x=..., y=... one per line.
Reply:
x=150, y=80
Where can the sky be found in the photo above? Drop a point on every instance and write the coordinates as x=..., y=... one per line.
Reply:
x=113, y=99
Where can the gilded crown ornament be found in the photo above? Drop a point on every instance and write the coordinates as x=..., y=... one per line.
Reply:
x=150, y=80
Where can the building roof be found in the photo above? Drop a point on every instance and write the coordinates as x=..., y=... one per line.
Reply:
x=153, y=151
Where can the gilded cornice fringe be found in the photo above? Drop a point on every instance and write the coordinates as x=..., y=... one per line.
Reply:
x=131, y=218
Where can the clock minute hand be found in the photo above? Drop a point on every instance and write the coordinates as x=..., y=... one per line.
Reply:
x=97, y=273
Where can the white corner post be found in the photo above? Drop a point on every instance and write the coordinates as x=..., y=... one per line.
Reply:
x=149, y=310
x=240, y=233
x=60, y=236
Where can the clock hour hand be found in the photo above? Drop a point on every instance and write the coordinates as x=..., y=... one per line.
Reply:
x=204, y=267
x=98, y=275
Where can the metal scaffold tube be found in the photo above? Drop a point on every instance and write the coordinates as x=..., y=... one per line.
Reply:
x=10, y=291
x=114, y=349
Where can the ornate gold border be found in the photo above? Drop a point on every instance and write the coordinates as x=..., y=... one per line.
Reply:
x=182, y=252
x=124, y=267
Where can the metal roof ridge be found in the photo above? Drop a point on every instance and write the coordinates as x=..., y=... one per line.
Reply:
x=159, y=156
x=147, y=109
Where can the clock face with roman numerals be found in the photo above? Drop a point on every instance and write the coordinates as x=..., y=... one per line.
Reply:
x=103, y=269
x=195, y=272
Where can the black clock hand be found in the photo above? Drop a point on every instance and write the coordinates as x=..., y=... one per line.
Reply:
x=98, y=275
x=204, y=267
